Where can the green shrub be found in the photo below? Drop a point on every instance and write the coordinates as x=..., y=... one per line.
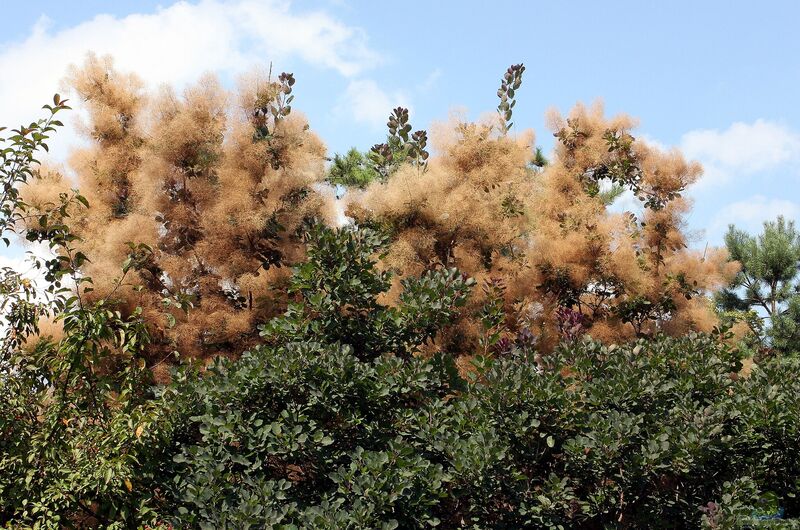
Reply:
x=638, y=436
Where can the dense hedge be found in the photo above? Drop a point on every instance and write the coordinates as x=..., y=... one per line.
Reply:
x=643, y=435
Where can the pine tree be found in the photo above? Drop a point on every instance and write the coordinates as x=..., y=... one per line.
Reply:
x=351, y=170
x=768, y=279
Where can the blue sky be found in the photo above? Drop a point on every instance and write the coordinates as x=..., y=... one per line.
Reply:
x=718, y=79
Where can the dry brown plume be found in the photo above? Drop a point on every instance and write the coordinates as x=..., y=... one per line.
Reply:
x=220, y=186
x=545, y=236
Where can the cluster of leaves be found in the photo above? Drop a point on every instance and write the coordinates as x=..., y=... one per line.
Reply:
x=358, y=170
x=19, y=306
x=512, y=80
x=339, y=285
x=290, y=434
x=570, y=323
x=312, y=431
x=70, y=424
x=19, y=162
x=273, y=105
x=400, y=147
x=492, y=314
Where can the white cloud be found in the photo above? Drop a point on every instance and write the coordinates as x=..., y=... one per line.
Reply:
x=740, y=150
x=177, y=44
x=367, y=103
x=748, y=147
x=749, y=215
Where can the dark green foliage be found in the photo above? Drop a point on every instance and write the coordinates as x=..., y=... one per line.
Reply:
x=641, y=436
x=300, y=433
x=18, y=163
x=785, y=331
x=769, y=264
x=19, y=309
x=492, y=314
x=70, y=418
x=308, y=429
x=339, y=286
x=333, y=425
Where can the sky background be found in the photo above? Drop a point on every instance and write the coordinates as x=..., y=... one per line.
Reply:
x=718, y=80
